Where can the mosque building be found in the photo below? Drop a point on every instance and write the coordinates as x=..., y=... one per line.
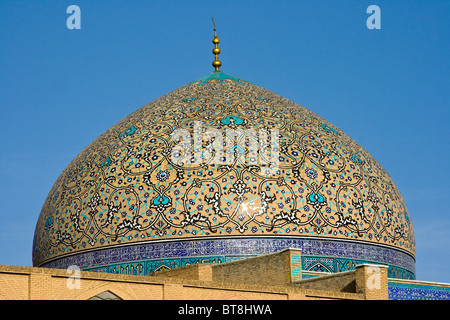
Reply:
x=222, y=189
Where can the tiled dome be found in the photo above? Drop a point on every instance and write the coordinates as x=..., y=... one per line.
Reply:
x=218, y=170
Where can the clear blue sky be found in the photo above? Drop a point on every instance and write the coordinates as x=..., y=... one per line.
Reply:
x=389, y=89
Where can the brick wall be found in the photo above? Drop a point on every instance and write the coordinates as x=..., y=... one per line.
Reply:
x=340, y=282
x=23, y=283
x=192, y=272
x=269, y=269
x=368, y=280
x=372, y=281
x=275, y=268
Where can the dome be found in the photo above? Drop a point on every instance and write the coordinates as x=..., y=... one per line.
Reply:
x=219, y=170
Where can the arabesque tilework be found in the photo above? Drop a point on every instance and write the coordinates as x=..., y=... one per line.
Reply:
x=143, y=182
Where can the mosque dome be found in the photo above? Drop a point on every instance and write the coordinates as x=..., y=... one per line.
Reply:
x=219, y=170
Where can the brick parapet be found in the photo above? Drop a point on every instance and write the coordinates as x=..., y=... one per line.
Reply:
x=43, y=283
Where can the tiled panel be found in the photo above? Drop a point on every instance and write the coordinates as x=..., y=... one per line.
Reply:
x=415, y=291
x=296, y=266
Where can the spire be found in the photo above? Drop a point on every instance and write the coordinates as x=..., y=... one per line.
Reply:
x=216, y=63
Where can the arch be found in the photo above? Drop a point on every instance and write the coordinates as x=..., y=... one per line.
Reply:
x=101, y=289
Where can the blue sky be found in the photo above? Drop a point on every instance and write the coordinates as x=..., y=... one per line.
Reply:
x=389, y=89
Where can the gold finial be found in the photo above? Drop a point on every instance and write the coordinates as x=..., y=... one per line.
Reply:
x=216, y=63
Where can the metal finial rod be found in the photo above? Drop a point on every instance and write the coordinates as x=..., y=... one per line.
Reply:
x=216, y=63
